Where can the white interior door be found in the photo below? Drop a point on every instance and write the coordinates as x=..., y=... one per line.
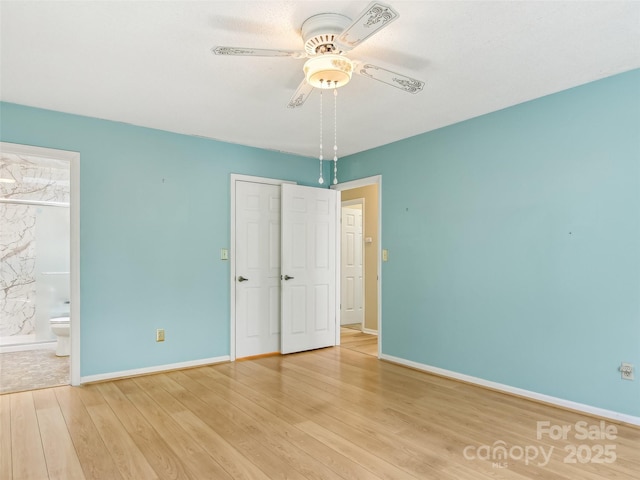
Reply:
x=351, y=284
x=257, y=268
x=309, y=281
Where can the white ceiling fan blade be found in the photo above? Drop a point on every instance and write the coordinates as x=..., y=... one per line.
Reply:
x=394, y=79
x=374, y=18
x=302, y=93
x=257, y=52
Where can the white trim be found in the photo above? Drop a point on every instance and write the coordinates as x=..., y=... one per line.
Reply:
x=364, y=182
x=355, y=201
x=74, y=211
x=368, y=331
x=337, y=275
x=360, y=182
x=560, y=402
x=27, y=347
x=34, y=202
x=157, y=369
x=32, y=151
x=254, y=179
x=232, y=251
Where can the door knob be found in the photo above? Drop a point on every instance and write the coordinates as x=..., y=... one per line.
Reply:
x=242, y=279
x=287, y=277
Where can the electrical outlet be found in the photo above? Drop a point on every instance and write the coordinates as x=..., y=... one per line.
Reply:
x=160, y=335
x=626, y=371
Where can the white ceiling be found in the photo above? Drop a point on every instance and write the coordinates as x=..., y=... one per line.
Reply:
x=149, y=64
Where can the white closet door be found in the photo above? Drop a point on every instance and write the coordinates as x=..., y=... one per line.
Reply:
x=257, y=268
x=309, y=249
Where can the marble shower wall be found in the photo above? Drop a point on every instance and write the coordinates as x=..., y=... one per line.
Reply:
x=25, y=182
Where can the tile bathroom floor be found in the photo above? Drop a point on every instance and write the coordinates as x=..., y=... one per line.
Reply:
x=32, y=369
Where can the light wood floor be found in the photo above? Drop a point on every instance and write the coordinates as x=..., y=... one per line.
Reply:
x=358, y=341
x=327, y=414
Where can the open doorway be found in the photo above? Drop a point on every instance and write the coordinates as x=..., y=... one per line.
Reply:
x=38, y=219
x=361, y=330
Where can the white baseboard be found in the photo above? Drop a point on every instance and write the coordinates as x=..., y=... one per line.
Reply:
x=28, y=346
x=560, y=402
x=157, y=369
x=369, y=331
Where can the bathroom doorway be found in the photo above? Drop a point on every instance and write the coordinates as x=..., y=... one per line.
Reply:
x=36, y=267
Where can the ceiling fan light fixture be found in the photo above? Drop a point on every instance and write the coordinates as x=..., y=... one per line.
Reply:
x=328, y=71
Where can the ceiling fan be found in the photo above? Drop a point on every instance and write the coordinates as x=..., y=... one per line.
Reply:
x=327, y=38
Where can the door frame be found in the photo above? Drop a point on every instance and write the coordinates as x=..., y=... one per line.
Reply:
x=235, y=177
x=364, y=182
x=74, y=213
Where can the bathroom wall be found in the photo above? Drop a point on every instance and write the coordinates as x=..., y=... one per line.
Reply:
x=34, y=239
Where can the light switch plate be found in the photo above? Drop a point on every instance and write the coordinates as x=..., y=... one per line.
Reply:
x=224, y=254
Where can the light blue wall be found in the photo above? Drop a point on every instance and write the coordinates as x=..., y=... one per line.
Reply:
x=514, y=240
x=154, y=215
x=514, y=244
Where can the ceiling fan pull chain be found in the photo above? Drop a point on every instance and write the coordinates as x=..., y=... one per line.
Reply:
x=335, y=133
x=320, y=180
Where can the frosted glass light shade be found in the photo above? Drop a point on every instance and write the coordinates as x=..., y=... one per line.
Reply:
x=328, y=71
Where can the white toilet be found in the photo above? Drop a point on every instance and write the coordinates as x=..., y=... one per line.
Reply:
x=61, y=328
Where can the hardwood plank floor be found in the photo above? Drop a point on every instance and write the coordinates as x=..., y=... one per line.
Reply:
x=333, y=413
x=59, y=452
x=358, y=341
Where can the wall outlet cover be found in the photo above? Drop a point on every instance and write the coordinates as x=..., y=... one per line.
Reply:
x=626, y=371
